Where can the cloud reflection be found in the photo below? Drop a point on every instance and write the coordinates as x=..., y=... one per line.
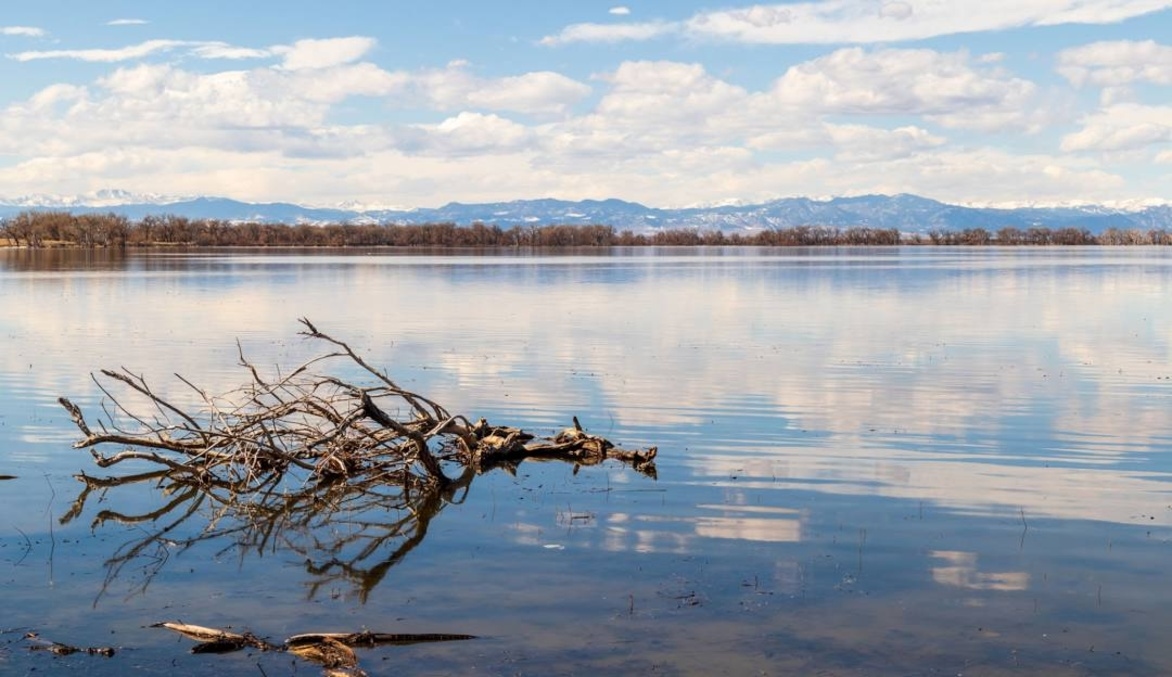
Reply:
x=960, y=570
x=979, y=381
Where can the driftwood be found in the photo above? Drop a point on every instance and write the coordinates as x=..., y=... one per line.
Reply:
x=316, y=424
x=333, y=651
x=37, y=643
x=280, y=464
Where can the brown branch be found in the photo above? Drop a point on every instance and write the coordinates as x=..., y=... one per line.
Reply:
x=315, y=422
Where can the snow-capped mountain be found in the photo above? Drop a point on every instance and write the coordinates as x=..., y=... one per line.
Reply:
x=107, y=197
x=907, y=213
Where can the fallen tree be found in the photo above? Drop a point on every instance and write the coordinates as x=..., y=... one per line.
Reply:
x=246, y=440
x=280, y=462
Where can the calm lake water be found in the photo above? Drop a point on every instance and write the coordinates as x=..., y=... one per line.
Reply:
x=919, y=461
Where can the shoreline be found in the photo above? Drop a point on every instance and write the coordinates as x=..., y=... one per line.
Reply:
x=46, y=230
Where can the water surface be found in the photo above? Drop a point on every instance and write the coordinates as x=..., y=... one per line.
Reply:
x=872, y=461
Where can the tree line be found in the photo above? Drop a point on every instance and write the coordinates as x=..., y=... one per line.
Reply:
x=37, y=229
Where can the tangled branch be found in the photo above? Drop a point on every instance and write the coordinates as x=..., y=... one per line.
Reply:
x=248, y=439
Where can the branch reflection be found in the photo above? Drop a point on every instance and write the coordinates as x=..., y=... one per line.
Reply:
x=349, y=534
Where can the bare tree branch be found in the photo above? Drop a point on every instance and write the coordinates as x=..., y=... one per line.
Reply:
x=316, y=422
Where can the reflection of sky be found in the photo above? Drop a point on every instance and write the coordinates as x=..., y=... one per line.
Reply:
x=959, y=569
x=979, y=380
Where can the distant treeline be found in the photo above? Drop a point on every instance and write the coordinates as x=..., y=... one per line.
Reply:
x=56, y=228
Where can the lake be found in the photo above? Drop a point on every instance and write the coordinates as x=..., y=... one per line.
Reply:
x=889, y=461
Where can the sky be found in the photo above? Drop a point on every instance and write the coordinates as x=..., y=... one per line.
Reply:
x=670, y=104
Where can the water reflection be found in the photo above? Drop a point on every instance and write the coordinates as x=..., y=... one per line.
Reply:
x=850, y=443
x=959, y=569
x=750, y=523
x=345, y=533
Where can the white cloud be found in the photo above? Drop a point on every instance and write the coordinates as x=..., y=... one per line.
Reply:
x=990, y=175
x=154, y=107
x=457, y=88
x=654, y=107
x=1117, y=63
x=861, y=21
x=162, y=94
x=863, y=143
x=103, y=55
x=946, y=87
x=661, y=132
x=329, y=85
x=593, y=32
x=478, y=133
x=656, y=93
x=532, y=92
x=220, y=50
x=1122, y=127
x=203, y=49
x=307, y=54
x=26, y=31
x=896, y=10
x=127, y=22
x=866, y=21
x=620, y=10
x=1091, y=11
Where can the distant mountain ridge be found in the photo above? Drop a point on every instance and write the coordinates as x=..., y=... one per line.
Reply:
x=907, y=213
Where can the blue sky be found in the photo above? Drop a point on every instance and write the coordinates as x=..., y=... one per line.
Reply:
x=665, y=103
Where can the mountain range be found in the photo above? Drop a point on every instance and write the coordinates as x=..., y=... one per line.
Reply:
x=907, y=213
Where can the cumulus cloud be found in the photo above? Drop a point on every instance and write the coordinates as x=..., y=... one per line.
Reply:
x=620, y=10
x=865, y=21
x=1117, y=63
x=947, y=87
x=152, y=108
x=330, y=85
x=657, y=92
x=473, y=133
x=155, y=107
x=851, y=142
x=651, y=107
x=659, y=131
x=864, y=143
x=456, y=87
x=1122, y=127
x=127, y=22
x=26, y=31
x=305, y=54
